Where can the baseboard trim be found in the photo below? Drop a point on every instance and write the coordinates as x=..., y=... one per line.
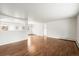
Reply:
x=9, y=42
x=69, y=39
x=77, y=43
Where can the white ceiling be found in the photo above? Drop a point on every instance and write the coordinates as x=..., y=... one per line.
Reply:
x=42, y=12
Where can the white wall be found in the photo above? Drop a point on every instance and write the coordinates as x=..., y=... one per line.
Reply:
x=13, y=35
x=77, y=32
x=37, y=27
x=64, y=28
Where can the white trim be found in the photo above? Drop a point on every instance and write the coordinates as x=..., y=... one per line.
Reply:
x=9, y=42
x=77, y=43
x=62, y=38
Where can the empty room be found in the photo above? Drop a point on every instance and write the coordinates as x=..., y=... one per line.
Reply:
x=39, y=29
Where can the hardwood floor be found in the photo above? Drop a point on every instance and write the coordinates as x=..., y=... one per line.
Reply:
x=40, y=46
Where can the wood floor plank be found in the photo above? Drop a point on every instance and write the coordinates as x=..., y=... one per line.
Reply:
x=40, y=46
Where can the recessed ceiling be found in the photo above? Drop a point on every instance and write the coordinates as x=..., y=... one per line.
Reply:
x=42, y=12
